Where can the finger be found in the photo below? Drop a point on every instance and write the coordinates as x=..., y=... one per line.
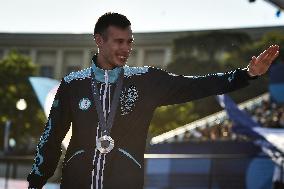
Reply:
x=268, y=54
x=273, y=50
x=269, y=61
x=275, y=56
x=270, y=51
x=276, y=46
x=262, y=55
x=253, y=60
x=272, y=55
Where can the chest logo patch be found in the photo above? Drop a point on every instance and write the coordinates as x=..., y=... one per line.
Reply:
x=127, y=99
x=84, y=104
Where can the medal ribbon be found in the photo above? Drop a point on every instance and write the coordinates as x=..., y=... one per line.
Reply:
x=106, y=124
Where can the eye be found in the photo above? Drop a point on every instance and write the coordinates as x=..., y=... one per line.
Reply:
x=130, y=41
x=119, y=41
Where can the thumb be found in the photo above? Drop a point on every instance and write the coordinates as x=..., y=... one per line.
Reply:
x=253, y=60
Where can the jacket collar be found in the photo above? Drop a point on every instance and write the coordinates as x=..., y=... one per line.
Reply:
x=100, y=73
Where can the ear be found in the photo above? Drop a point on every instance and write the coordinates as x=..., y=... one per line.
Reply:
x=99, y=39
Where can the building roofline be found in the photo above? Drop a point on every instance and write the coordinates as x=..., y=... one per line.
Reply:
x=86, y=40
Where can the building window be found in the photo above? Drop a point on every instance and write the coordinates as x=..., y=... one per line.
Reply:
x=24, y=52
x=70, y=69
x=47, y=71
x=72, y=61
x=46, y=57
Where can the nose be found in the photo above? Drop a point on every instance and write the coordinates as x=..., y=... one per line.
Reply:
x=127, y=47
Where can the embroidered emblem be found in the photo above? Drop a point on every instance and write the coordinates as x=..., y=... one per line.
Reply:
x=55, y=103
x=39, y=158
x=84, y=103
x=79, y=75
x=127, y=99
x=130, y=71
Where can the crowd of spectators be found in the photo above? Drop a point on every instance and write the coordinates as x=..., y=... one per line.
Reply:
x=266, y=113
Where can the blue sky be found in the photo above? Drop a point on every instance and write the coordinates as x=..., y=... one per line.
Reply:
x=79, y=16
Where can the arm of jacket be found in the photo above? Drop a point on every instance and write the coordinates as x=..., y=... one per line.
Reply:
x=48, y=150
x=174, y=89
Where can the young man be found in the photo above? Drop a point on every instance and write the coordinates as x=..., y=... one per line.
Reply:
x=111, y=105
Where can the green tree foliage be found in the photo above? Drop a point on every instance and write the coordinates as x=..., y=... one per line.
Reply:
x=216, y=52
x=211, y=52
x=167, y=118
x=243, y=56
x=14, y=85
x=196, y=54
x=202, y=53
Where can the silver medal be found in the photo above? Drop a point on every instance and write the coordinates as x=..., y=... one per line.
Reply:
x=105, y=144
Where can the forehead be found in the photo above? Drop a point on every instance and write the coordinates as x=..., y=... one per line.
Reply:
x=116, y=32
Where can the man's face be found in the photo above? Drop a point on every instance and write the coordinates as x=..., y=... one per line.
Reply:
x=115, y=46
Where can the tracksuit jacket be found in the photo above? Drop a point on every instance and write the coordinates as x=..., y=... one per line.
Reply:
x=144, y=89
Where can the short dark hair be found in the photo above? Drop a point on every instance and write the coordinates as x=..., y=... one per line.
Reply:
x=111, y=19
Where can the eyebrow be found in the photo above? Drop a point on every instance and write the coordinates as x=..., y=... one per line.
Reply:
x=121, y=39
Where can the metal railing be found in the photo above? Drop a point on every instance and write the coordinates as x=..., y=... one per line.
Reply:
x=11, y=166
x=211, y=120
x=157, y=178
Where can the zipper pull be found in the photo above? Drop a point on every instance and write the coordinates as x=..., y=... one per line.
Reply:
x=106, y=77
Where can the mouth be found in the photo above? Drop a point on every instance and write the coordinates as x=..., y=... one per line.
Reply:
x=122, y=58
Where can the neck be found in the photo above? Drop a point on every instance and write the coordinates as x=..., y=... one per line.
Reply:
x=103, y=64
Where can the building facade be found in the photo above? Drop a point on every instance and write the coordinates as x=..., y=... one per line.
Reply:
x=59, y=54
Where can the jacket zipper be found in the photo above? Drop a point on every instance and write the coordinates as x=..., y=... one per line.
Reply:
x=105, y=94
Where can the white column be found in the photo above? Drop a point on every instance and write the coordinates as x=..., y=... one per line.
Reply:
x=58, y=72
x=86, y=59
x=6, y=52
x=140, y=56
x=168, y=56
x=33, y=56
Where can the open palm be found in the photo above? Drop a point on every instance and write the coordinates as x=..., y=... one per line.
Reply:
x=259, y=65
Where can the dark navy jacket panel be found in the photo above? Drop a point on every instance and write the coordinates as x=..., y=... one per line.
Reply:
x=143, y=90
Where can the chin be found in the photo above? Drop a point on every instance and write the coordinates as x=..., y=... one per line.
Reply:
x=121, y=64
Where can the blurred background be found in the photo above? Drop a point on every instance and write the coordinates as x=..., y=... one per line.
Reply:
x=192, y=145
